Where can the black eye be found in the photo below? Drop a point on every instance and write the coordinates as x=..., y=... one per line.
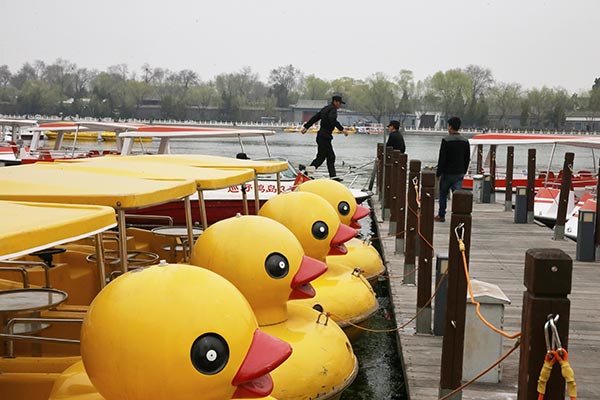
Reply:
x=277, y=266
x=209, y=353
x=343, y=208
x=320, y=230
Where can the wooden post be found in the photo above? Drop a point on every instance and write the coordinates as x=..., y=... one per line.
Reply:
x=456, y=303
x=394, y=191
x=425, y=251
x=379, y=170
x=493, y=173
x=548, y=274
x=411, y=222
x=597, y=231
x=563, y=200
x=479, y=159
x=510, y=157
x=401, y=205
x=387, y=182
x=530, y=184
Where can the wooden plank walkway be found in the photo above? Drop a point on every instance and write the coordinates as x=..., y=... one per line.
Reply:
x=497, y=256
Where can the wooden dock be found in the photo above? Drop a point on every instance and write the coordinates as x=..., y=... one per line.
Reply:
x=497, y=256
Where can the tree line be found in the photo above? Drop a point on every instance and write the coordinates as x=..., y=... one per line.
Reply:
x=63, y=88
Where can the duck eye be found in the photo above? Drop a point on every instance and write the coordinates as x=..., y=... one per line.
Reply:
x=209, y=353
x=343, y=208
x=320, y=230
x=277, y=266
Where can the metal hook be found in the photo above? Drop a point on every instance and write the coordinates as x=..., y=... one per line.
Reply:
x=556, y=344
x=460, y=237
x=325, y=315
x=415, y=180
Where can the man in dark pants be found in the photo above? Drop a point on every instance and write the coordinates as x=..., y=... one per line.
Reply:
x=328, y=117
x=395, y=140
x=453, y=163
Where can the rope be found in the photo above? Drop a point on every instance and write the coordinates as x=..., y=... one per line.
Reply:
x=461, y=246
x=485, y=371
x=340, y=319
x=566, y=371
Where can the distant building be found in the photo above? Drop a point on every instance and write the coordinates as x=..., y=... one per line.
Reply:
x=584, y=121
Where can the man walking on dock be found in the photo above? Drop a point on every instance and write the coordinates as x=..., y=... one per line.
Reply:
x=453, y=162
x=328, y=117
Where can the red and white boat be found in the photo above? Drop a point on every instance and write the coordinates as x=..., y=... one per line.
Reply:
x=586, y=203
x=581, y=180
x=9, y=148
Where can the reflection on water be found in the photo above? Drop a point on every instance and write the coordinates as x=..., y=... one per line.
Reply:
x=380, y=373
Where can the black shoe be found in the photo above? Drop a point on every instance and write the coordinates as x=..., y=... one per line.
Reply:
x=302, y=167
x=439, y=219
x=337, y=179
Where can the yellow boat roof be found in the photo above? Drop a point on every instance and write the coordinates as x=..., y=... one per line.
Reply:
x=206, y=161
x=205, y=178
x=46, y=182
x=28, y=227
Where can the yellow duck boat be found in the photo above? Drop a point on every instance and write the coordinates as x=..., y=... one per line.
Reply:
x=360, y=254
x=318, y=228
x=265, y=261
x=186, y=333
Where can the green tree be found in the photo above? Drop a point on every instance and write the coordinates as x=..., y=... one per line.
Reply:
x=5, y=75
x=234, y=90
x=406, y=86
x=378, y=98
x=505, y=100
x=348, y=87
x=283, y=81
x=481, y=81
x=313, y=88
x=203, y=96
x=594, y=104
x=452, y=89
x=38, y=97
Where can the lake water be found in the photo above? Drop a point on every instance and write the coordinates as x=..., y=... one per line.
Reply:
x=358, y=150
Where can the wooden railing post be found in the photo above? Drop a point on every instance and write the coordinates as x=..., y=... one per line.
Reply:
x=510, y=157
x=548, y=274
x=597, y=231
x=394, y=187
x=401, y=204
x=563, y=200
x=530, y=184
x=479, y=159
x=411, y=222
x=456, y=302
x=425, y=251
x=387, y=182
x=380, y=170
x=493, y=173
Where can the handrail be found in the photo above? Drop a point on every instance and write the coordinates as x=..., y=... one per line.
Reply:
x=9, y=348
x=31, y=264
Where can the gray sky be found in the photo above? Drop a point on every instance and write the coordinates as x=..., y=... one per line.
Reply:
x=532, y=42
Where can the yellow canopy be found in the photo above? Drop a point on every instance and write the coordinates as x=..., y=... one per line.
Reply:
x=205, y=178
x=199, y=160
x=28, y=227
x=50, y=183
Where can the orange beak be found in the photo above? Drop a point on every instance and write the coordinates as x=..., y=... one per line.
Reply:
x=343, y=234
x=310, y=269
x=266, y=353
x=360, y=213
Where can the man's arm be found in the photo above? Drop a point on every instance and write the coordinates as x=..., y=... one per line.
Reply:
x=467, y=159
x=314, y=119
x=402, y=144
x=441, y=159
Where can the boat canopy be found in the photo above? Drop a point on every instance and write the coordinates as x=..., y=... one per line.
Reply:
x=29, y=227
x=47, y=182
x=17, y=122
x=200, y=160
x=166, y=133
x=510, y=139
x=205, y=178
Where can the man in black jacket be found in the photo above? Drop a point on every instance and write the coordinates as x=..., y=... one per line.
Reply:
x=395, y=140
x=328, y=117
x=453, y=163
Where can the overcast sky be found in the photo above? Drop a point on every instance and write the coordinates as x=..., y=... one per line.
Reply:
x=532, y=42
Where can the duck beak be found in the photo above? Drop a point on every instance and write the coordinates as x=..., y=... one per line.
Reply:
x=266, y=353
x=310, y=269
x=343, y=234
x=360, y=213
